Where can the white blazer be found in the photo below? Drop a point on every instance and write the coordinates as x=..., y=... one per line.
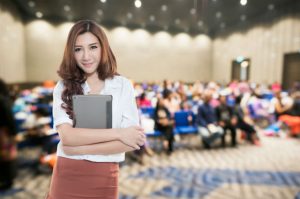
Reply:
x=124, y=110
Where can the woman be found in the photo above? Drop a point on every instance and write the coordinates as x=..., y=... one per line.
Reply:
x=87, y=163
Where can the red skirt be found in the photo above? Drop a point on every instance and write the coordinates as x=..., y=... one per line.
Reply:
x=82, y=179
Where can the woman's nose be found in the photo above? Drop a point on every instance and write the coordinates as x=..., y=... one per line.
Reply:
x=86, y=54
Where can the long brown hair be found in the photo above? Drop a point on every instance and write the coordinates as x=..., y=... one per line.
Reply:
x=73, y=77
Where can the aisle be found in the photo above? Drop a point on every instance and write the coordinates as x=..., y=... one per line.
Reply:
x=248, y=172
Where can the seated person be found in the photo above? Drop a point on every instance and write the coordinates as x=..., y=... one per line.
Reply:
x=244, y=124
x=226, y=120
x=291, y=117
x=164, y=123
x=142, y=101
x=207, y=120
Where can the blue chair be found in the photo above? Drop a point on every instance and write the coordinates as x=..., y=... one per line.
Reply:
x=267, y=96
x=155, y=133
x=182, y=124
x=149, y=111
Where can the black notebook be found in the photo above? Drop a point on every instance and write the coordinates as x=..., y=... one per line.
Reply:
x=92, y=111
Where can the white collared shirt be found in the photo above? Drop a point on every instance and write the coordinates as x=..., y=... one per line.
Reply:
x=124, y=109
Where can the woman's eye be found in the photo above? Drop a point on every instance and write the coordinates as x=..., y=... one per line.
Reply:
x=77, y=49
x=94, y=47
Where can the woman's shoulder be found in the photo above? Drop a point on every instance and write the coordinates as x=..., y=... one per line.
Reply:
x=120, y=78
x=119, y=81
x=59, y=86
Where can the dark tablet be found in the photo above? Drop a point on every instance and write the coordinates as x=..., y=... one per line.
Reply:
x=92, y=111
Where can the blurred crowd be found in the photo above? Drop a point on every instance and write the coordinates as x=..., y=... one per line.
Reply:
x=168, y=110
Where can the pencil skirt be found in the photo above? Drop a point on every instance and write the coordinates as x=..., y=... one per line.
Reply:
x=82, y=179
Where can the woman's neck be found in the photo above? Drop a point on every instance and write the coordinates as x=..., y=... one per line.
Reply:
x=95, y=84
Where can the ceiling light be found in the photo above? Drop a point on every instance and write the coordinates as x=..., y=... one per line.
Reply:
x=218, y=14
x=164, y=8
x=31, y=4
x=200, y=23
x=129, y=15
x=99, y=12
x=138, y=3
x=243, y=17
x=67, y=8
x=193, y=11
x=103, y=1
x=271, y=6
x=39, y=14
x=152, y=18
x=243, y=2
x=177, y=21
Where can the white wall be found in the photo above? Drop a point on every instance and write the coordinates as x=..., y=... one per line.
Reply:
x=140, y=55
x=264, y=44
x=144, y=56
x=12, y=44
x=44, y=49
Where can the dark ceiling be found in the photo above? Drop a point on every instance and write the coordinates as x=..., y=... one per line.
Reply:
x=192, y=16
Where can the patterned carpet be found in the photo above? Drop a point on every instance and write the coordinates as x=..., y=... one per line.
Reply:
x=245, y=172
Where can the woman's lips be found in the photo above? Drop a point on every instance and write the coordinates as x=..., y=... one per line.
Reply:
x=87, y=64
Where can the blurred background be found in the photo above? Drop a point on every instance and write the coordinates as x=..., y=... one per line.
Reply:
x=239, y=57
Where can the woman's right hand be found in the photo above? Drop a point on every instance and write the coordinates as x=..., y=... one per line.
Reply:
x=133, y=136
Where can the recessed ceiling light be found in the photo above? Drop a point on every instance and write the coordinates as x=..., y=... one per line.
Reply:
x=177, y=21
x=218, y=14
x=129, y=15
x=243, y=17
x=103, y=1
x=39, y=14
x=152, y=18
x=138, y=3
x=99, y=12
x=271, y=6
x=67, y=8
x=31, y=4
x=193, y=11
x=243, y=2
x=164, y=8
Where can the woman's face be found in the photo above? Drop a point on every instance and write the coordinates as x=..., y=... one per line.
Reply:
x=87, y=52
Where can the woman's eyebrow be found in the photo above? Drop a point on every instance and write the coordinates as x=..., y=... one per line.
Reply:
x=89, y=44
x=93, y=43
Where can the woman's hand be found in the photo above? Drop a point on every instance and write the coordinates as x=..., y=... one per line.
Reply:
x=133, y=136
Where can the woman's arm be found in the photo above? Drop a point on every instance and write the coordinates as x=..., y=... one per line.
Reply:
x=105, y=148
x=70, y=136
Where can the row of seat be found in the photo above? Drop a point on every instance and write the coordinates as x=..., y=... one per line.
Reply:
x=182, y=123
